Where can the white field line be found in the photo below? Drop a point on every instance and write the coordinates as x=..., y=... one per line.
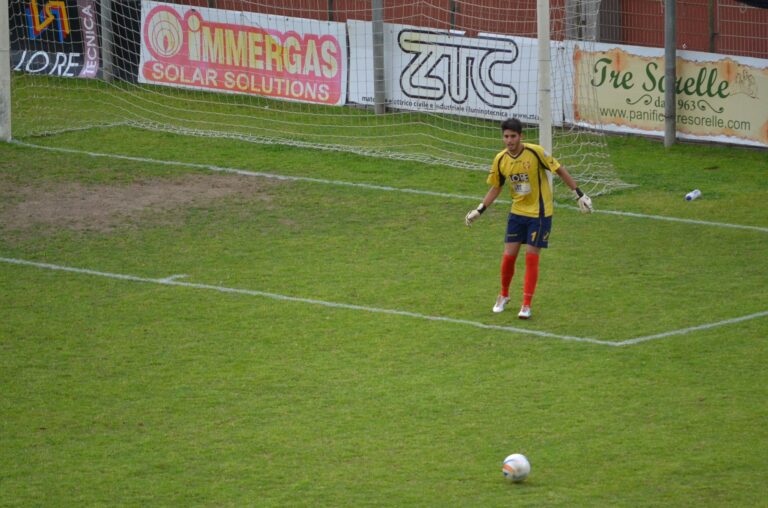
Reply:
x=683, y=331
x=386, y=188
x=172, y=278
x=672, y=219
x=171, y=281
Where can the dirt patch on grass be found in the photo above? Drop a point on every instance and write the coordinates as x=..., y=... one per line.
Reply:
x=103, y=208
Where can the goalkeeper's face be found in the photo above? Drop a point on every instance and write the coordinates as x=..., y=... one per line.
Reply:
x=513, y=140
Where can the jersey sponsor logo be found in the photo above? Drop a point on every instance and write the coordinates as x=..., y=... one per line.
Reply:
x=520, y=183
x=522, y=188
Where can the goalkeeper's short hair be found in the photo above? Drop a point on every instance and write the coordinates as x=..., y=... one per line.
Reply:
x=512, y=124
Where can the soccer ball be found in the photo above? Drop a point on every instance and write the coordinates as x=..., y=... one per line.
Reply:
x=516, y=467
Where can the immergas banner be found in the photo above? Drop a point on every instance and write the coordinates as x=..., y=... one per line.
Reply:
x=55, y=38
x=718, y=97
x=242, y=52
x=488, y=76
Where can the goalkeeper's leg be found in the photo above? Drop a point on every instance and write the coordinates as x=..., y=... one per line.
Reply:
x=507, y=272
x=531, y=277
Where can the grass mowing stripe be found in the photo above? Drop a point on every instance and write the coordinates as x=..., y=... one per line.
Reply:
x=171, y=281
x=386, y=188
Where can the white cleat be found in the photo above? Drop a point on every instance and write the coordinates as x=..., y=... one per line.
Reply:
x=525, y=312
x=501, y=302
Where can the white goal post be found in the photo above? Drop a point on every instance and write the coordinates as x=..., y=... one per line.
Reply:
x=5, y=74
x=544, y=75
x=308, y=73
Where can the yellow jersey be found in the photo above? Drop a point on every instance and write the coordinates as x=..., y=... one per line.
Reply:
x=529, y=182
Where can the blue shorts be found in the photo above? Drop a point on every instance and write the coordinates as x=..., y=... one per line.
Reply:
x=533, y=231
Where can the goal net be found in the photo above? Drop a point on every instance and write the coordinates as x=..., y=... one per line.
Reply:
x=417, y=80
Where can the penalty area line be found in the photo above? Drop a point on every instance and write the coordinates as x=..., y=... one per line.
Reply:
x=684, y=331
x=386, y=188
x=172, y=281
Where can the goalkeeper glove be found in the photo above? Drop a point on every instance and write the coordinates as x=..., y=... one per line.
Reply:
x=584, y=202
x=474, y=214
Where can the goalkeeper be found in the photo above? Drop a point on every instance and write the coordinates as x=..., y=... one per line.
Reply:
x=527, y=169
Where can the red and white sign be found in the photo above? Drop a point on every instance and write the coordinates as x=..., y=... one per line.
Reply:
x=241, y=52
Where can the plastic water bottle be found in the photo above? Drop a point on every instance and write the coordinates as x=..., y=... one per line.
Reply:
x=695, y=193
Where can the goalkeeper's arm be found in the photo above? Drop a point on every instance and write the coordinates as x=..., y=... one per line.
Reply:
x=489, y=198
x=584, y=202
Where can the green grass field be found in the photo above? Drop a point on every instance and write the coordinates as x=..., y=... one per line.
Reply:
x=324, y=341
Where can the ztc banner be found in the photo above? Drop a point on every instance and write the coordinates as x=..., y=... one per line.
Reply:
x=55, y=37
x=718, y=98
x=487, y=76
x=242, y=52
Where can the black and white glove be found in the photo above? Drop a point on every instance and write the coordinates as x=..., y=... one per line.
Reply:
x=584, y=202
x=474, y=214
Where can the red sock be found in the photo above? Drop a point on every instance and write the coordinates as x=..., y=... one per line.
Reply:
x=531, y=277
x=507, y=271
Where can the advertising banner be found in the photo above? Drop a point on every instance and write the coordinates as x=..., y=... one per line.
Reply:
x=719, y=98
x=488, y=76
x=241, y=52
x=55, y=38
